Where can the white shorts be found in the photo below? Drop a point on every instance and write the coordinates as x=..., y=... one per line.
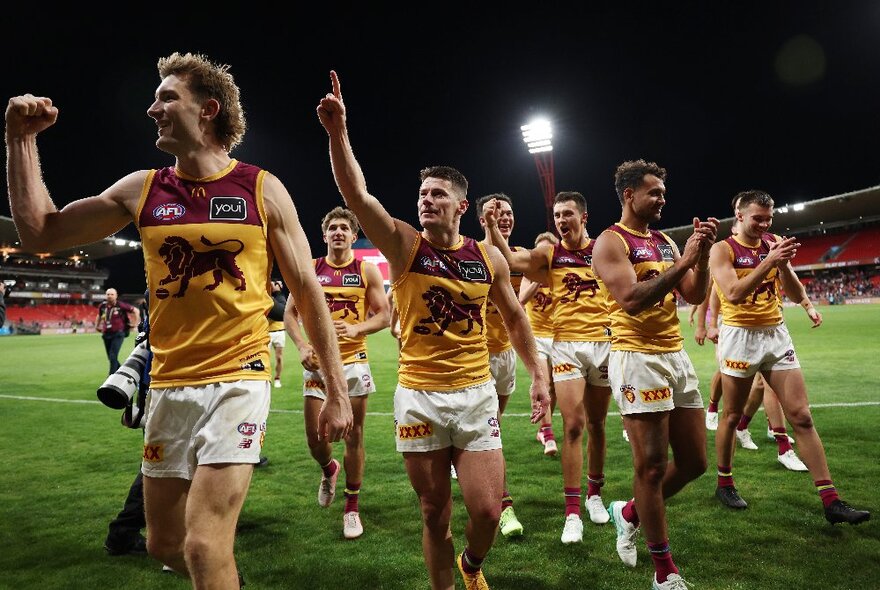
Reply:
x=277, y=339
x=581, y=360
x=357, y=376
x=502, y=367
x=202, y=425
x=643, y=383
x=544, y=344
x=742, y=352
x=462, y=418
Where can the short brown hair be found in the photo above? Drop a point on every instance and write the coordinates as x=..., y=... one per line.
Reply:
x=486, y=198
x=207, y=80
x=341, y=213
x=446, y=173
x=578, y=199
x=632, y=173
x=745, y=198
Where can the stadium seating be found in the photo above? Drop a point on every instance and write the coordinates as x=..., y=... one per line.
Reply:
x=864, y=246
x=813, y=248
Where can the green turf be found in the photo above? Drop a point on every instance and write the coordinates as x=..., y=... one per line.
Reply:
x=68, y=464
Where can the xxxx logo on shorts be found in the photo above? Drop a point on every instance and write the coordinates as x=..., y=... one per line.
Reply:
x=650, y=396
x=154, y=453
x=736, y=365
x=409, y=431
x=629, y=392
x=563, y=368
x=314, y=384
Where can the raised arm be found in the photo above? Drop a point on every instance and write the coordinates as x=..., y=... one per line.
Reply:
x=520, y=331
x=533, y=263
x=293, y=255
x=392, y=236
x=41, y=226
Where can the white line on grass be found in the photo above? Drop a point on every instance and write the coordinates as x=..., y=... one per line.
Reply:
x=506, y=415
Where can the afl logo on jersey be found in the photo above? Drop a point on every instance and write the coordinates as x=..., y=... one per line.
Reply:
x=324, y=279
x=169, y=211
x=233, y=208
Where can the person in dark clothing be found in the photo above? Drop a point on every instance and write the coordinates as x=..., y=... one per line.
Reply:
x=124, y=532
x=114, y=321
x=2, y=304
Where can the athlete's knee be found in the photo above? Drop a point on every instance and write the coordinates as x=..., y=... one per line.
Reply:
x=573, y=428
x=436, y=514
x=164, y=548
x=652, y=470
x=801, y=418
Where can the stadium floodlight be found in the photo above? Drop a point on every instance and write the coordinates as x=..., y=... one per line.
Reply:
x=798, y=206
x=538, y=136
x=119, y=242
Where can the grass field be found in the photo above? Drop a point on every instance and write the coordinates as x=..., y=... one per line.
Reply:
x=67, y=466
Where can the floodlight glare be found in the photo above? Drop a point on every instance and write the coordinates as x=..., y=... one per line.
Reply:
x=798, y=206
x=537, y=136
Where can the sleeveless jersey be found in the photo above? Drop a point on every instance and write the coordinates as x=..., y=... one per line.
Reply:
x=763, y=306
x=441, y=301
x=654, y=330
x=207, y=264
x=539, y=310
x=496, y=334
x=345, y=289
x=580, y=303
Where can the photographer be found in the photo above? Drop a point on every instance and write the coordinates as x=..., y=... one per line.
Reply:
x=114, y=321
x=124, y=535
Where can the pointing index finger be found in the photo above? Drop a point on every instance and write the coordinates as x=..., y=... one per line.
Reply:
x=337, y=88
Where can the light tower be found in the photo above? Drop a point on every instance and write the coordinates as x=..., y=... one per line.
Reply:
x=537, y=135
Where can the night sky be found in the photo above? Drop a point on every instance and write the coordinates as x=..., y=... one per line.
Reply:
x=781, y=96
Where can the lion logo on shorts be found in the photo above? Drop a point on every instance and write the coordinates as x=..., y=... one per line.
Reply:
x=185, y=263
x=344, y=304
x=445, y=310
x=577, y=285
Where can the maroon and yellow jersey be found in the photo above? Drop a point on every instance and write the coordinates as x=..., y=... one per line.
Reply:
x=762, y=307
x=580, y=303
x=539, y=310
x=654, y=330
x=441, y=301
x=496, y=334
x=345, y=289
x=207, y=262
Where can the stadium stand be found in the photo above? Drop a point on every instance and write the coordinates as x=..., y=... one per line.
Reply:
x=56, y=292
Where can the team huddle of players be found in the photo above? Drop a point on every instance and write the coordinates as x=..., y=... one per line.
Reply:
x=602, y=322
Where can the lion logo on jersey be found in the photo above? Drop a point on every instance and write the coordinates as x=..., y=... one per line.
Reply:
x=577, y=285
x=542, y=301
x=768, y=287
x=445, y=310
x=344, y=304
x=185, y=263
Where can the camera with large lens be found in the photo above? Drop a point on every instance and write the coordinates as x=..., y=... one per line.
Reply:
x=121, y=387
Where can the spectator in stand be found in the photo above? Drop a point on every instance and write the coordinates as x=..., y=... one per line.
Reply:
x=114, y=321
